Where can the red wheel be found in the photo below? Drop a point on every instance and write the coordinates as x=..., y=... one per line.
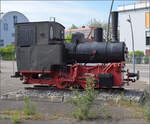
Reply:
x=83, y=85
x=61, y=84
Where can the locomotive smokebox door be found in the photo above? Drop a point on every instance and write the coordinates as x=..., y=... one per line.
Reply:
x=105, y=80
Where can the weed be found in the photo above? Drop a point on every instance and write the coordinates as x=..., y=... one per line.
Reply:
x=108, y=116
x=147, y=111
x=29, y=109
x=145, y=102
x=83, y=103
x=145, y=98
x=16, y=118
x=122, y=95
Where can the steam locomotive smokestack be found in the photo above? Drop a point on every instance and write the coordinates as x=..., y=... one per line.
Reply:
x=114, y=26
x=98, y=34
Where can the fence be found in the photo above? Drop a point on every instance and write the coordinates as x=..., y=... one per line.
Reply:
x=139, y=60
x=8, y=84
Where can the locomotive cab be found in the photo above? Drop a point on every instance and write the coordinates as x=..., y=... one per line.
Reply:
x=37, y=44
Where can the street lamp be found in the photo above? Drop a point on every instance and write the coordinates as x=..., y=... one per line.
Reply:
x=0, y=41
x=133, y=54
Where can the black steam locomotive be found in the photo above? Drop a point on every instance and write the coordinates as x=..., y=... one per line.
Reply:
x=43, y=56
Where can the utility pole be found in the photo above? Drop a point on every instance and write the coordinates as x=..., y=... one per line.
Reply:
x=0, y=53
x=133, y=53
x=0, y=42
x=149, y=49
x=0, y=20
x=108, y=27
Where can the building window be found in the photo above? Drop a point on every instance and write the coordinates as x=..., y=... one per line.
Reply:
x=147, y=19
x=13, y=34
x=61, y=34
x=51, y=33
x=147, y=37
x=15, y=19
x=5, y=27
x=1, y=43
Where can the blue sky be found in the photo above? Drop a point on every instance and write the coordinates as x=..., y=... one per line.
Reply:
x=66, y=12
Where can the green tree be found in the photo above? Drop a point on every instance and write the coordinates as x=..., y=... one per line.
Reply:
x=68, y=37
x=95, y=23
x=74, y=27
x=98, y=23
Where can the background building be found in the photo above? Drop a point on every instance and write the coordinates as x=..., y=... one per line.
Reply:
x=140, y=18
x=7, y=26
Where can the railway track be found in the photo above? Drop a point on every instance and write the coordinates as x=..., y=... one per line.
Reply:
x=105, y=92
x=43, y=87
x=109, y=91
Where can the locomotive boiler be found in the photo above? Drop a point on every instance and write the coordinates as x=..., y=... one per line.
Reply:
x=43, y=56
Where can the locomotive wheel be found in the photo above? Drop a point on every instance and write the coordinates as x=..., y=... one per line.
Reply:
x=83, y=85
x=61, y=84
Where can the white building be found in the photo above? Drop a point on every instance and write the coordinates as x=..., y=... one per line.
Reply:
x=7, y=26
x=140, y=19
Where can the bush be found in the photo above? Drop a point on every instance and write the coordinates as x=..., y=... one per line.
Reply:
x=147, y=59
x=8, y=52
x=29, y=109
x=83, y=103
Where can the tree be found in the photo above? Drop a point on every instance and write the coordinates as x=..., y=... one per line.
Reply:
x=98, y=23
x=137, y=53
x=68, y=37
x=74, y=27
x=95, y=23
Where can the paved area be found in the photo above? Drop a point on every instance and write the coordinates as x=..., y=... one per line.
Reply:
x=144, y=71
x=119, y=114
x=8, y=84
x=63, y=121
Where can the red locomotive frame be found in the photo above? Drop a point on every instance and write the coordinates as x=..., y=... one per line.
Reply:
x=77, y=74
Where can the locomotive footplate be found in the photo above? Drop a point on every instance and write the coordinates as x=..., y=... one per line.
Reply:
x=105, y=80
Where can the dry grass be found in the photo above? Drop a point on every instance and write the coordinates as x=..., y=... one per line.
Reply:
x=23, y=116
x=136, y=110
